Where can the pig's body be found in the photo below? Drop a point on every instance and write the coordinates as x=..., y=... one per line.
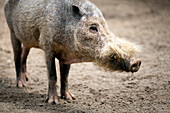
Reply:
x=45, y=23
x=71, y=31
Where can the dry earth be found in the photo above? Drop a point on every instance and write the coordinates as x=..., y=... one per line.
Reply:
x=146, y=22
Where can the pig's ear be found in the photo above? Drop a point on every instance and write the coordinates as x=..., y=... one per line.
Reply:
x=77, y=12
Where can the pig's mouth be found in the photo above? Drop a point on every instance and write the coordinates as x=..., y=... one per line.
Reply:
x=121, y=65
x=112, y=63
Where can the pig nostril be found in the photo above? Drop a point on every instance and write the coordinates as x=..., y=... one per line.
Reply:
x=134, y=65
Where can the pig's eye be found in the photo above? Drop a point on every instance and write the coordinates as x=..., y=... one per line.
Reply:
x=115, y=57
x=93, y=29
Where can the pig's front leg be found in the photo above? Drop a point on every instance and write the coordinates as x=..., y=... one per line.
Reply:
x=52, y=77
x=64, y=71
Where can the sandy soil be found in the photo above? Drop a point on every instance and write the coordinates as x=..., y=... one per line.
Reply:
x=146, y=22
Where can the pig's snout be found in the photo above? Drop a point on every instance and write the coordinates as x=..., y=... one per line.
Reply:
x=134, y=65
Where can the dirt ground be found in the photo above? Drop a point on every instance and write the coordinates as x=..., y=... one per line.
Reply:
x=146, y=22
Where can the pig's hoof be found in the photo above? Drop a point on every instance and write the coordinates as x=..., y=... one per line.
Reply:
x=26, y=76
x=21, y=84
x=68, y=96
x=53, y=99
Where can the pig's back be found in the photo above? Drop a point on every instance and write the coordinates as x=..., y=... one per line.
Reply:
x=30, y=18
x=27, y=18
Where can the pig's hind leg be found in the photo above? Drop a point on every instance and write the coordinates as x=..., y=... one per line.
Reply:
x=64, y=71
x=25, y=52
x=17, y=49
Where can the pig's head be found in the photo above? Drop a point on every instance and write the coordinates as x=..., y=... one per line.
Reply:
x=94, y=42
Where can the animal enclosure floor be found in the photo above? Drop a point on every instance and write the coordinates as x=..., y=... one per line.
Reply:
x=146, y=22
